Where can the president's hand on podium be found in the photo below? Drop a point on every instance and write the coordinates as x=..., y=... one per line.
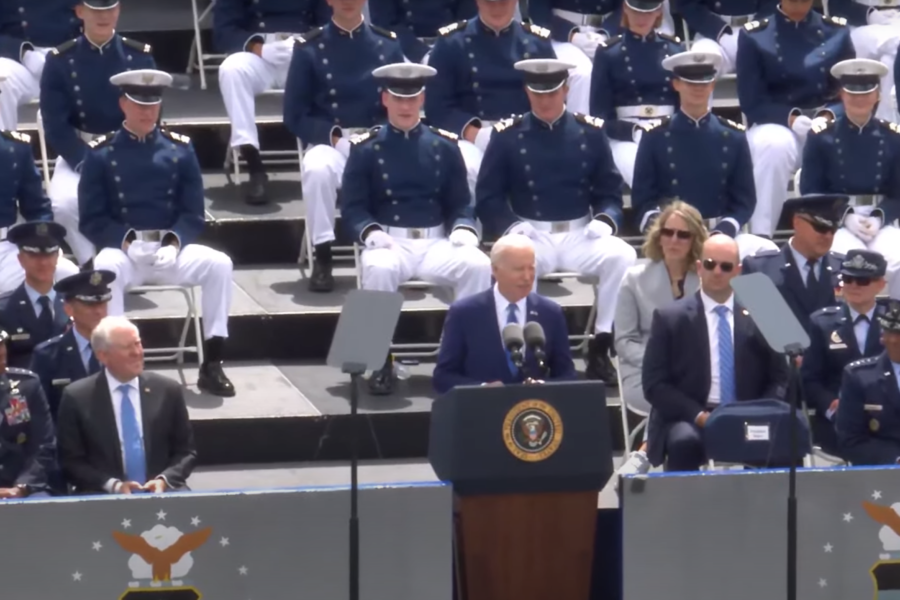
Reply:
x=531, y=381
x=493, y=383
x=701, y=419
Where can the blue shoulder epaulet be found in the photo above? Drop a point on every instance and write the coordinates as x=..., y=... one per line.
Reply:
x=382, y=31
x=764, y=253
x=828, y=310
x=839, y=21
x=362, y=137
x=863, y=362
x=176, y=137
x=444, y=133
x=16, y=136
x=17, y=372
x=139, y=46
x=309, y=35
x=504, y=124
x=651, y=124
x=64, y=47
x=448, y=29
x=757, y=25
x=668, y=36
x=589, y=120
x=731, y=124
x=889, y=125
x=819, y=126
x=541, y=32
x=610, y=42
x=103, y=139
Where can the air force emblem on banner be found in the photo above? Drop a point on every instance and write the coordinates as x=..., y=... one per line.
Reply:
x=532, y=430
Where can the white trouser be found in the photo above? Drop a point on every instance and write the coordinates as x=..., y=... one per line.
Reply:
x=607, y=258
x=320, y=177
x=464, y=268
x=63, y=194
x=21, y=86
x=242, y=77
x=775, y=151
x=12, y=275
x=196, y=265
x=624, y=155
x=879, y=42
x=579, y=96
x=726, y=47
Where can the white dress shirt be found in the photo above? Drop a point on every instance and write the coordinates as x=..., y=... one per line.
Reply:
x=84, y=349
x=503, y=310
x=861, y=329
x=712, y=327
x=802, y=263
x=34, y=296
x=134, y=396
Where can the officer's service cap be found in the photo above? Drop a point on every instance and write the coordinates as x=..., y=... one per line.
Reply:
x=860, y=75
x=405, y=80
x=890, y=319
x=37, y=237
x=694, y=67
x=144, y=86
x=864, y=263
x=91, y=287
x=100, y=4
x=822, y=209
x=544, y=75
x=644, y=5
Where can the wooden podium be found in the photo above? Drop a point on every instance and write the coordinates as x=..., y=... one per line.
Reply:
x=527, y=463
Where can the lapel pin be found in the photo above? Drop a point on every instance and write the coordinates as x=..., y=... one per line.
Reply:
x=746, y=312
x=69, y=349
x=147, y=390
x=532, y=312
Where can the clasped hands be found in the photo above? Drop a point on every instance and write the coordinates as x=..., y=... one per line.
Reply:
x=863, y=227
x=154, y=486
x=149, y=254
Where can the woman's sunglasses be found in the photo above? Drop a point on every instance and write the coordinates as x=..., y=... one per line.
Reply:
x=681, y=234
x=710, y=265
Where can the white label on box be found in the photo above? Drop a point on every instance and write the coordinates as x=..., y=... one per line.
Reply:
x=757, y=433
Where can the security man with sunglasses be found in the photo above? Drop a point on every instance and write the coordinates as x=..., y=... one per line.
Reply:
x=805, y=270
x=839, y=335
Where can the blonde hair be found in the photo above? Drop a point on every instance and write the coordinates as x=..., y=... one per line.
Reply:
x=652, y=248
x=656, y=25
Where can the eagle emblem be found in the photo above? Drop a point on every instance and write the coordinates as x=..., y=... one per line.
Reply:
x=96, y=278
x=532, y=430
x=162, y=560
x=42, y=229
x=147, y=78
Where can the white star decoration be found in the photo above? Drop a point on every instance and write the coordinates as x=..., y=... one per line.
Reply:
x=195, y=521
x=97, y=546
x=224, y=542
x=76, y=576
x=876, y=495
x=822, y=583
x=828, y=547
x=243, y=570
x=161, y=515
x=848, y=517
x=126, y=523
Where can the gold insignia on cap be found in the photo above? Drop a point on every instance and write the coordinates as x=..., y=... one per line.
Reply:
x=836, y=338
x=699, y=58
x=874, y=425
x=42, y=229
x=96, y=278
x=147, y=78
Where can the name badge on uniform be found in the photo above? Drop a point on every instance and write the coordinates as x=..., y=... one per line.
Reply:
x=873, y=407
x=18, y=337
x=17, y=412
x=836, y=342
x=61, y=382
x=874, y=425
x=21, y=439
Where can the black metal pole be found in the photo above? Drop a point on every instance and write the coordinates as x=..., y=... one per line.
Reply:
x=793, y=354
x=354, y=488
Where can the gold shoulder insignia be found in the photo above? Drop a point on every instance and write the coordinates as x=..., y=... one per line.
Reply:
x=504, y=124
x=18, y=136
x=537, y=30
x=609, y=43
x=732, y=124
x=841, y=21
x=97, y=142
x=177, y=137
x=444, y=133
x=309, y=35
x=64, y=47
x=360, y=138
x=756, y=25
x=671, y=38
x=819, y=126
x=594, y=121
x=385, y=32
x=448, y=29
x=140, y=46
x=890, y=125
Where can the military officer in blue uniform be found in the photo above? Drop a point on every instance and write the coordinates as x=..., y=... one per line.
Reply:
x=68, y=357
x=258, y=37
x=839, y=335
x=27, y=437
x=859, y=155
x=716, y=24
x=330, y=96
x=805, y=270
x=784, y=86
x=549, y=174
x=416, y=22
x=405, y=197
x=868, y=420
x=140, y=203
x=34, y=312
x=79, y=104
x=697, y=157
x=28, y=30
x=630, y=90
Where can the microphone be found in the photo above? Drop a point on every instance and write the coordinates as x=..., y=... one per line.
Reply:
x=536, y=340
x=514, y=341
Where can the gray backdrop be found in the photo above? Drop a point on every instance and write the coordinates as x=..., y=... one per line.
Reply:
x=262, y=545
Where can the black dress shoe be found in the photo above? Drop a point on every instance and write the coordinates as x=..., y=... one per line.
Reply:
x=321, y=280
x=256, y=188
x=381, y=382
x=599, y=363
x=213, y=380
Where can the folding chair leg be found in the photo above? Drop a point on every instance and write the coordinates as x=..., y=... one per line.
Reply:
x=198, y=45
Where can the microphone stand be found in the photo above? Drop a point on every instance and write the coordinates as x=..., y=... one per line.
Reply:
x=541, y=357
x=517, y=355
x=793, y=352
x=355, y=371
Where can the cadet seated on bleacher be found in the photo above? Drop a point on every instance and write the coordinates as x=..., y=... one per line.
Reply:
x=417, y=22
x=28, y=30
x=78, y=104
x=868, y=425
x=259, y=41
x=549, y=174
x=784, y=87
x=330, y=96
x=859, y=155
x=716, y=24
x=840, y=335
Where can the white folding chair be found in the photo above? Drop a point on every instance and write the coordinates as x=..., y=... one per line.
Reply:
x=234, y=161
x=630, y=435
x=45, y=159
x=198, y=58
x=192, y=316
x=579, y=341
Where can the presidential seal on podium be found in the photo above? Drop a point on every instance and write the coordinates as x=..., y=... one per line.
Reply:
x=532, y=430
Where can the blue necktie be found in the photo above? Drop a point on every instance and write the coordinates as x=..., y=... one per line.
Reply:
x=92, y=366
x=133, y=446
x=726, y=357
x=511, y=318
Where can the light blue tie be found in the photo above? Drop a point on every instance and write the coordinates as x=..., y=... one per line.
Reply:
x=511, y=318
x=133, y=446
x=726, y=357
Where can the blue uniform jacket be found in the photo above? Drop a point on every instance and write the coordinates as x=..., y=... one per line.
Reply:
x=330, y=81
x=27, y=436
x=541, y=13
x=405, y=180
x=475, y=77
x=150, y=184
x=833, y=346
x=76, y=94
x=780, y=267
x=238, y=22
x=628, y=72
x=841, y=158
x=414, y=19
x=701, y=16
x=542, y=172
x=782, y=66
x=705, y=163
x=21, y=187
x=868, y=420
x=26, y=24
x=57, y=363
x=18, y=319
x=472, y=350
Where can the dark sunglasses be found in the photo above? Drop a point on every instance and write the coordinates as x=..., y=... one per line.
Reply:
x=680, y=233
x=819, y=227
x=710, y=265
x=860, y=281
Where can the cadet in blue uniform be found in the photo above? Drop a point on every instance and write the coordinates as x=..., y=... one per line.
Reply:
x=27, y=437
x=405, y=197
x=698, y=157
x=416, y=22
x=28, y=30
x=257, y=36
x=549, y=174
x=330, y=96
x=68, y=357
x=805, y=270
x=839, y=335
x=784, y=84
x=630, y=90
x=78, y=104
x=140, y=203
x=33, y=312
x=859, y=155
x=716, y=24
x=868, y=420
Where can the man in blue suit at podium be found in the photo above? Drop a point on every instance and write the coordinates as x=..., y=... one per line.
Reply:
x=472, y=350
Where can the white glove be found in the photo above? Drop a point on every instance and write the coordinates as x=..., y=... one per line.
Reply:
x=597, y=229
x=882, y=17
x=587, y=42
x=525, y=228
x=278, y=53
x=165, y=257
x=483, y=137
x=819, y=122
x=142, y=253
x=802, y=125
x=463, y=237
x=858, y=226
x=34, y=62
x=343, y=146
x=379, y=239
